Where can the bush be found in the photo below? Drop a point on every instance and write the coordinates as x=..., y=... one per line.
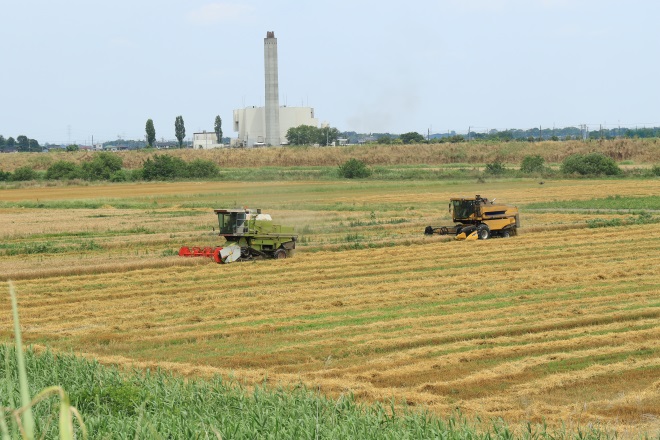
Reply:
x=164, y=167
x=102, y=166
x=590, y=165
x=135, y=175
x=24, y=173
x=532, y=164
x=62, y=170
x=119, y=176
x=495, y=168
x=5, y=176
x=353, y=168
x=202, y=169
x=654, y=171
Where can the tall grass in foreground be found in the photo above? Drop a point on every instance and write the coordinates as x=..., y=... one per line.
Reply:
x=157, y=405
x=22, y=419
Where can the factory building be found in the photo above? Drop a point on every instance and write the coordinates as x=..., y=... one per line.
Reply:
x=250, y=124
x=206, y=140
x=268, y=125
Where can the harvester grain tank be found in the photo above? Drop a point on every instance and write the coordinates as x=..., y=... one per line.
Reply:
x=478, y=218
x=249, y=234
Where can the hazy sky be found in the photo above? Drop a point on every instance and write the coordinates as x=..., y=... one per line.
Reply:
x=70, y=69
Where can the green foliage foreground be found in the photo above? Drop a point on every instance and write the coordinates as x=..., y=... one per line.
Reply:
x=119, y=405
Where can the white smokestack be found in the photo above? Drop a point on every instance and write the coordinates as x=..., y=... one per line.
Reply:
x=272, y=102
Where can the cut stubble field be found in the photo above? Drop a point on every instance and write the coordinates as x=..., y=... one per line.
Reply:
x=561, y=323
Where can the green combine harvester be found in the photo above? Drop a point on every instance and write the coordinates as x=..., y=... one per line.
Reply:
x=249, y=235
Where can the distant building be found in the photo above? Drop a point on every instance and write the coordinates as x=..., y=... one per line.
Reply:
x=206, y=141
x=268, y=125
x=250, y=124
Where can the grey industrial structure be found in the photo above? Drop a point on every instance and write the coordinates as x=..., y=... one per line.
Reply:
x=272, y=101
x=268, y=125
x=263, y=126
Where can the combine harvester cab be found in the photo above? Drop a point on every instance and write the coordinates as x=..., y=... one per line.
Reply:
x=477, y=218
x=249, y=235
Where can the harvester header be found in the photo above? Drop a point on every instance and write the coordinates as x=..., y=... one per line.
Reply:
x=249, y=234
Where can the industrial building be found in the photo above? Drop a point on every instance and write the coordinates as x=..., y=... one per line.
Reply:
x=268, y=125
x=206, y=140
x=250, y=124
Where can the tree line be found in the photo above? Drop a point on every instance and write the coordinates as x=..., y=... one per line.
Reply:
x=180, y=130
x=21, y=143
x=310, y=135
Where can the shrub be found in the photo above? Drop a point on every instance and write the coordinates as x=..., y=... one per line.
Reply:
x=119, y=176
x=102, y=166
x=164, y=167
x=135, y=175
x=532, y=164
x=24, y=173
x=202, y=169
x=63, y=170
x=353, y=168
x=590, y=164
x=5, y=176
x=655, y=170
x=495, y=168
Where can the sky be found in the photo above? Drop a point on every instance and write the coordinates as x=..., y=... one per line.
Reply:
x=75, y=70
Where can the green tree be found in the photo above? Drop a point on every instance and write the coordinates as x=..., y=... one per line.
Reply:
x=22, y=143
x=102, y=166
x=33, y=145
x=179, y=130
x=218, y=128
x=354, y=168
x=151, y=133
x=590, y=164
x=327, y=135
x=24, y=173
x=11, y=142
x=302, y=135
x=495, y=168
x=385, y=139
x=62, y=170
x=532, y=164
x=72, y=147
x=3, y=142
x=412, y=137
x=202, y=169
x=164, y=167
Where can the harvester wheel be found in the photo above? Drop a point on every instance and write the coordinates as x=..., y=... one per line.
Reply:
x=505, y=234
x=483, y=231
x=280, y=254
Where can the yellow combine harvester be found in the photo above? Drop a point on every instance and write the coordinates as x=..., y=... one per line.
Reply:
x=479, y=218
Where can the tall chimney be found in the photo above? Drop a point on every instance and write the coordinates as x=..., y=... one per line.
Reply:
x=272, y=107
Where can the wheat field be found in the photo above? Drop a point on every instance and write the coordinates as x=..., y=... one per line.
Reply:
x=559, y=324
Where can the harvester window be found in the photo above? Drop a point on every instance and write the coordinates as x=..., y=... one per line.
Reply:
x=463, y=208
